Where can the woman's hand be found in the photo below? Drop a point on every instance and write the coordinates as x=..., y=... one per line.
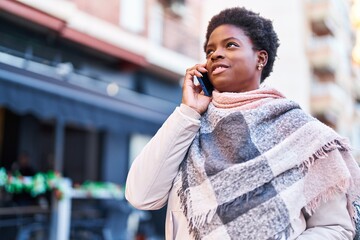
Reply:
x=192, y=94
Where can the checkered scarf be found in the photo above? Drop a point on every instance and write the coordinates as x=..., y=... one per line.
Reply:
x=257, y=161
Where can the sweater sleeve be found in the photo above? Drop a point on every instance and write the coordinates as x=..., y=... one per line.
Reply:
x=152, y=173
x=330, y=221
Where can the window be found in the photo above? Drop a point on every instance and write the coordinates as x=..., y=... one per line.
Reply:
x=137, y=143
x=177, y=7
x=132, y=15
x=156, y=22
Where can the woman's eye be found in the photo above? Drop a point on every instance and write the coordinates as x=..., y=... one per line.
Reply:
x=209, y=52
x=232, y=44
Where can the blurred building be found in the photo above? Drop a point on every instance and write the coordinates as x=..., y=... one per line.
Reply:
x=335, y=85
x=85, y=83
x=355, y=19
x=81, y=79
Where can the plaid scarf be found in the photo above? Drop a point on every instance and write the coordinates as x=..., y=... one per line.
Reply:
x=257, y=161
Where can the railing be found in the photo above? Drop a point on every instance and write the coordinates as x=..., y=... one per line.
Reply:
x=112, y=90
x=324, y=53
x=324, y=16
x=330, y=99
x=57, y=221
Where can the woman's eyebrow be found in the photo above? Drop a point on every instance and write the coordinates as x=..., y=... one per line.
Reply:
x=223, y=40
x=230, y=38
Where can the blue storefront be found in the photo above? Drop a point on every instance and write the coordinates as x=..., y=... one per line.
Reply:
x=73, y=109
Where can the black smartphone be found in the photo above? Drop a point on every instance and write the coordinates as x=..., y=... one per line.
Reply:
x=205, y=84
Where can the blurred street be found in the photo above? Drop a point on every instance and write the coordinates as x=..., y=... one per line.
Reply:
x=85, y=84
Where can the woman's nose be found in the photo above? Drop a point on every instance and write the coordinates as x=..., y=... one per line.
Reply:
x=217, y=54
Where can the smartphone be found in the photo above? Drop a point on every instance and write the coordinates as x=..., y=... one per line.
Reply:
x=205, y=84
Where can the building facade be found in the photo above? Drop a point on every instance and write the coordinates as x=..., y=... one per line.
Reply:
x=97, y=57
x=334, y=73
x=85, y=83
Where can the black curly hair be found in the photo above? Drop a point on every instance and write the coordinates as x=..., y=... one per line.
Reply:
x=260, y=30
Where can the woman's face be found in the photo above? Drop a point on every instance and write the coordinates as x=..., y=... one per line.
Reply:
x=231, y=60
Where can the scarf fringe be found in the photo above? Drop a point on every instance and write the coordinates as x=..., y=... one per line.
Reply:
x=199, y=220
x=339, y=188
x=339, y=144
x=183, y=202
x=196, y=221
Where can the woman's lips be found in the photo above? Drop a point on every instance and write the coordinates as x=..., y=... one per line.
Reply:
x=218, y=70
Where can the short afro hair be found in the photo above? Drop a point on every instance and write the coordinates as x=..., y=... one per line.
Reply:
x=260, y=30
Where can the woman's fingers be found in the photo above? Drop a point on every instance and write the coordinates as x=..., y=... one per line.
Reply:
x=198, y=89
x=190, y=86
x=193, y=95
x=201, y=69
x=197, y=70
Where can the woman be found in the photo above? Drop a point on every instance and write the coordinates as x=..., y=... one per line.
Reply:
x=245, y=163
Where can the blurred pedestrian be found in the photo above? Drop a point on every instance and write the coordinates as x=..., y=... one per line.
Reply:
x=23, y=166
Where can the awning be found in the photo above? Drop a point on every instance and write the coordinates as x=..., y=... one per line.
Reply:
x=27, y=92
x=56, y=24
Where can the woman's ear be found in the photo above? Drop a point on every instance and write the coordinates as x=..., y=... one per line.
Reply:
x=262, y=57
